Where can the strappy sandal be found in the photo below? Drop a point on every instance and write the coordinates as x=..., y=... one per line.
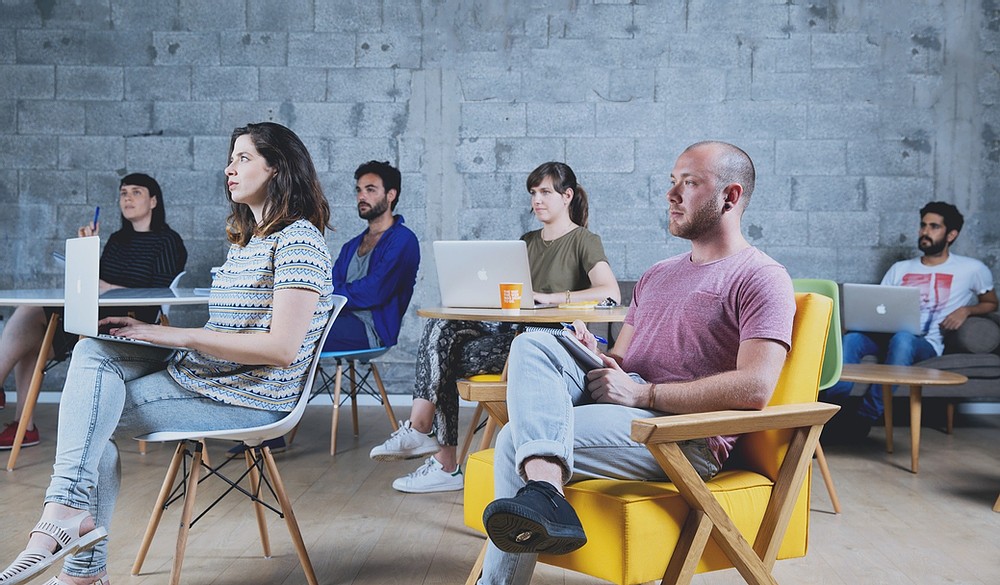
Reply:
x=55, y=581
x=66, y=533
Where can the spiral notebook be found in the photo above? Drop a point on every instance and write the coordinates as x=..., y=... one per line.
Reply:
x=586, y=358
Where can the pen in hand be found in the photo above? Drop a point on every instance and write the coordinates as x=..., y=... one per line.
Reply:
x=97, y=215
x=573, y=329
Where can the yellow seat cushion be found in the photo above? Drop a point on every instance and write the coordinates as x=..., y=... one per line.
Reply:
x=485, y=378
x=637, y=549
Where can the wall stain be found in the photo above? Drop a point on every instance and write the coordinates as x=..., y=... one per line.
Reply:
x=928, y=39
x=991, y=142
x=755, y=232
x=287, y=112
x=918, y=143
x=45, y=8
x=502, y=152
x=991, y=13
x=357, y=117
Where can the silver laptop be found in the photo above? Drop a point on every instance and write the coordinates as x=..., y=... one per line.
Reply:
x=874, y=308
x=83, y=268
x=470, y=272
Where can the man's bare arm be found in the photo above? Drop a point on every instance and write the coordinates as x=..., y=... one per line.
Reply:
x=987, y=304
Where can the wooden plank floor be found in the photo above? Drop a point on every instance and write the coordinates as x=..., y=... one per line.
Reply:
x=897, y=528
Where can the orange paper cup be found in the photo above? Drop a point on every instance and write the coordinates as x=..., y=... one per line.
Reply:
x=510, y=295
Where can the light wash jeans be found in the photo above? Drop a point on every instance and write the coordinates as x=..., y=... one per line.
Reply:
x=119, y=390
x=552, y=415
x=905, y=349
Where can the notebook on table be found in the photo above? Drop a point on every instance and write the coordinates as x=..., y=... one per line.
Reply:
x=470, y=272
x=874, y=308
x=82, y=289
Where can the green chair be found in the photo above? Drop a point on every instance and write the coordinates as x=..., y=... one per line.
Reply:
x=833, y=362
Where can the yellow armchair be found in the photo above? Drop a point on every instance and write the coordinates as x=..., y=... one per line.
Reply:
x=642, y=531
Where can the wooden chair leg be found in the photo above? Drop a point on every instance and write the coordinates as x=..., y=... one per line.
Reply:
x=996, y=505
x=33, y=389
x=161, y=500
x=827, y=478
x=337, y=378
x=488, y=432
x=949, y=421
x=258, y=508
x=477, y=568
x=188, y=511
x=472, y=431
x=385, y=397
x=286, y=509
x=354, y=397
x=142, y=447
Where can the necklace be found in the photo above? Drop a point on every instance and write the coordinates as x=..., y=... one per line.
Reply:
x=547, y=243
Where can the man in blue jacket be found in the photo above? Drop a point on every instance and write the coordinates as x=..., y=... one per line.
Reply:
x=376, y=270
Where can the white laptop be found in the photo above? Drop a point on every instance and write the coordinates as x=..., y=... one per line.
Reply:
x=470, y=272
x=83, y=267
x=874, y=308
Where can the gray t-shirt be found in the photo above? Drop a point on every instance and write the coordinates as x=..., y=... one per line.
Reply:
x=356, y=270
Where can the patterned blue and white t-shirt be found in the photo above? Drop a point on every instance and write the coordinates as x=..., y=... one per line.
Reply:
x=241, y=302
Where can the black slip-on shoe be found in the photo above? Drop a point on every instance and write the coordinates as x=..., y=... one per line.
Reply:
x=537, y=520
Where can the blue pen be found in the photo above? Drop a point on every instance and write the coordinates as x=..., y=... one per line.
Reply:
x=573, y=329
x=97, y=214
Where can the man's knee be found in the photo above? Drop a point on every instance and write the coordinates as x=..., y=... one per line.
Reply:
x=533, y=343
x=902, y=341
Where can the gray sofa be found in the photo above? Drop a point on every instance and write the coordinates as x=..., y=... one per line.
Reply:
x=972, y=350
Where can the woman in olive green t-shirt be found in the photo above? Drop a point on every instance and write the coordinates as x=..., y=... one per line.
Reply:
x=568, y=264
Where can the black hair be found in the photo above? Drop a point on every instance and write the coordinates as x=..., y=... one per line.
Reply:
x=159, y=219
x=389, y=174
x=953, y=219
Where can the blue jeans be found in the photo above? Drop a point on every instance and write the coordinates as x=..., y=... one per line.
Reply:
x=905, y=349
x=117, y=390
x=348, y=333
x=552, y=415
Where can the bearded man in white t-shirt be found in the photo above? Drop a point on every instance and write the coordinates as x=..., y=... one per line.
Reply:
x=952, y=289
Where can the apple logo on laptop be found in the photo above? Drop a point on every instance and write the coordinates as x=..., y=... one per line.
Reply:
x=880, y=309
x=482, y=274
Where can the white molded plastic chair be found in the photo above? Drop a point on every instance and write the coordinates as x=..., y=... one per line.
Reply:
x=260, y=465
x=165, y=309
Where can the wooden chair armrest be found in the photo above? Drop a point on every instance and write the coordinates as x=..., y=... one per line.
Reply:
x=482, y=391
x=681, y=427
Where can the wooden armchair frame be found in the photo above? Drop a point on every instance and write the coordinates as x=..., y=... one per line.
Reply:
x=707, y=518
x=798, y=420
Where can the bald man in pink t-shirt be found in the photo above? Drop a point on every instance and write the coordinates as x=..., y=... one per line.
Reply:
x=707, y=330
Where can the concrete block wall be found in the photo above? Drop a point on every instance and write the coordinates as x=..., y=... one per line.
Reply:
x=856, y=113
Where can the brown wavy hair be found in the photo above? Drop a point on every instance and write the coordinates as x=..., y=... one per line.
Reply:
x=563, y=178
x=293, y=193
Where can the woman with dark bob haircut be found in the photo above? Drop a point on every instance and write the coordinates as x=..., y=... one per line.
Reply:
x=269, y=304
x=144, y=253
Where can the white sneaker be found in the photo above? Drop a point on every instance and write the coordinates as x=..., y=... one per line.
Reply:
x=406, y=443
x=430, y=477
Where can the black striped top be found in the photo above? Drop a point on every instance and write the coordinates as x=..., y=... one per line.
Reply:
x=143, y=260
